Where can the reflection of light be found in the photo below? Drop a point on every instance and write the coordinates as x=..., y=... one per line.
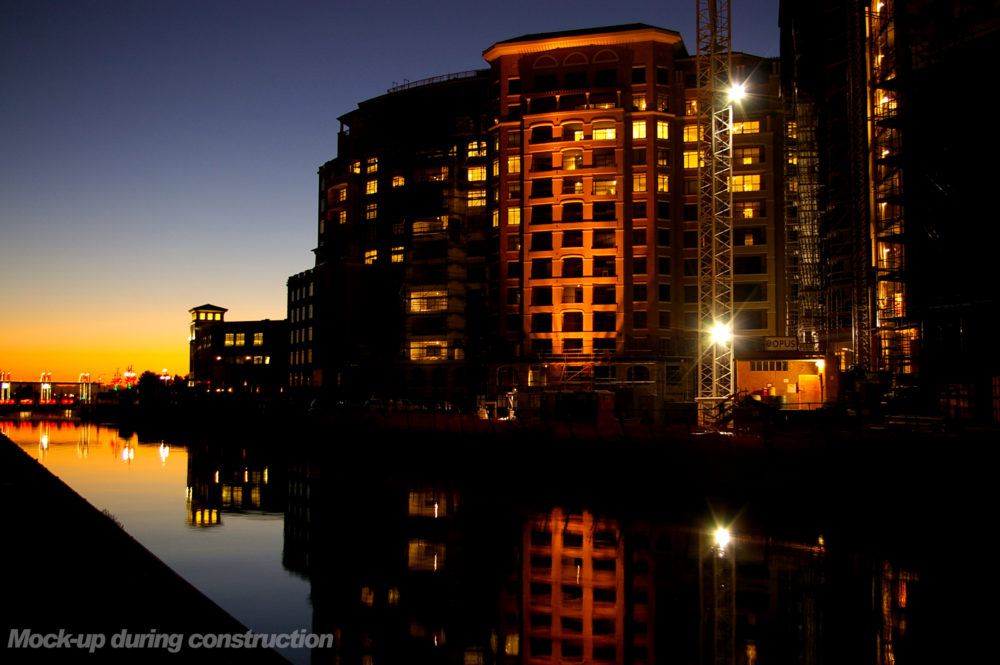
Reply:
x=45, y=441
x=216, y=476
x=435, y=562
x=164, y=453
x=435, y=510
x=820, y=364
x=265, y=475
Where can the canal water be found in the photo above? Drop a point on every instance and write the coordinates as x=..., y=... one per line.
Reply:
x=422, y=549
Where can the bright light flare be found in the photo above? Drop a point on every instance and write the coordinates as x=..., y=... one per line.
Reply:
x=722, y=537
x=737, y=92
x=720, y=334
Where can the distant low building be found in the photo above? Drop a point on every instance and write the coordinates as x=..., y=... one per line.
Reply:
x=237, y=356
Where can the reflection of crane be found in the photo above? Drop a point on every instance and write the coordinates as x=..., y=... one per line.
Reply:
x=715, y=203
x=717, y=572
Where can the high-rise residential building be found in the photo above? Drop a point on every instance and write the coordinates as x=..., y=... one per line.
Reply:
x=502, y=235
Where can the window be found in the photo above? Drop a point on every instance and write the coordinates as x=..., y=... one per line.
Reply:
x=663, y=237
x=428, y=301
x=371, y=166
x=514, y=164
x=542, y=296
x=604, y=211
x=690, y=107
x=663, y=265
x=572, y=294
x=603, y=239
x=604, y=157
x=607, y=186
x=749, y=155
x=572, y=267
x=477, y=198
x=541, y=241
x=746, y=127
x=572, y=322
x=638, y=75
x=638, y=182
x=572, y=186
x=639, y=104
x=541, y=214
x=541, y=322
x=576, y=79
x=542, y=188
x=477, y=173
x=662, y=183
x=572, y=131
x=541, y=268
x=342, y=217
x=513, y=216
x=229, y=340
x=342, y=194
x=514, y=191
x=541, y=134
x=690, y=133
x=572, y=160
x=370, y=256
x=429, y=350
x=638, y=236
x=751, y=209
x=691, y=159
x=240, y=339
x=604, y=130
x=397, y=254
x=398, y=181
x=638, y=265
x=604, y=266
x=638, y=210
x=604, y=295
x=371, y=211
x=662, y=129
x=604, y=321
x=639, y=293
x=258, y=339
x=639, y=321
x=371, y=187
x=638, y=129
x=477, y=149
x=662, y=157
x=572, y=239
x=662, y=102
x=663, y=292
x=745, y=183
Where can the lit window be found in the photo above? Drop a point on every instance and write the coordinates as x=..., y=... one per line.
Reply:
x=662, y=129
x=423, y=555
x=258, y=360
x=749, y=155
x=371, y=166
x=371, y=187
x=638, y=102
x=342, y=194
x=751, y=209
x=496, y=218
x=229, y=339
x=477, y=149
x=342, y=217
x=258, y=339
x=572, y=160
x=604, y=130
x=662, y=183
x=638, y=182
x=690, y=107
x=745, y=183
x=496, y=167
x=639, y=129
x=513, y=216
x=356, y=166
x=431, y=225
x=371, y=211
x=605, y=186
x=367, y=596
x=397, y=257
x=398, y=181
x=428, y=301
x=430, y=350
x=477, y=173
x=746, y=127
x=241, y=339
x=514, y=164
x=690, y=133
x=691, y=159
x=477, y=198
x=370, y=256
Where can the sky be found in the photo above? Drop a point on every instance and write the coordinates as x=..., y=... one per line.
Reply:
x=160, y=155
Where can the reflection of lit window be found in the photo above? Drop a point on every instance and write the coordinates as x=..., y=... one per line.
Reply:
x=426, y=503
x=371, y=187
x=428, y=225
x=662, y=129
x=367, y=596
x=398, y=181
x=258, y=338
x=370, y=256
x=428, y=301
x=639, y=129
x=397, y=257
x=745, y=183
x=371, y=211
x=477, y=173
x=746, y=127
x=512, y=644
x=240, y=339
x=229, y=339
x=393, y=598
x=422, y=555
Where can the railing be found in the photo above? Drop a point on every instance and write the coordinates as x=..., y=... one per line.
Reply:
x=406, y=85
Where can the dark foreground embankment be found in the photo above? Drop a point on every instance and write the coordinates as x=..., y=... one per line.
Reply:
x=68, y=567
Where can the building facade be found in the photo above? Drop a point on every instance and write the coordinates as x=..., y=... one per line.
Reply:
x=236, y=356
x=493, y=236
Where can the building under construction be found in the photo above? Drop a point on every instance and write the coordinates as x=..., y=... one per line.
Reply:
x=890, y=198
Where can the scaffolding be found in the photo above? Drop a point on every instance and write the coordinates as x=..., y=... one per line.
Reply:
x=715, y=202
x=895, y=333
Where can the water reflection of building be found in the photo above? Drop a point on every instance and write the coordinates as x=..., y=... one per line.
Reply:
x=229, y=481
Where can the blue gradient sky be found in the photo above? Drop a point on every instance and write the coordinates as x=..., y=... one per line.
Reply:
x=156, y=155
